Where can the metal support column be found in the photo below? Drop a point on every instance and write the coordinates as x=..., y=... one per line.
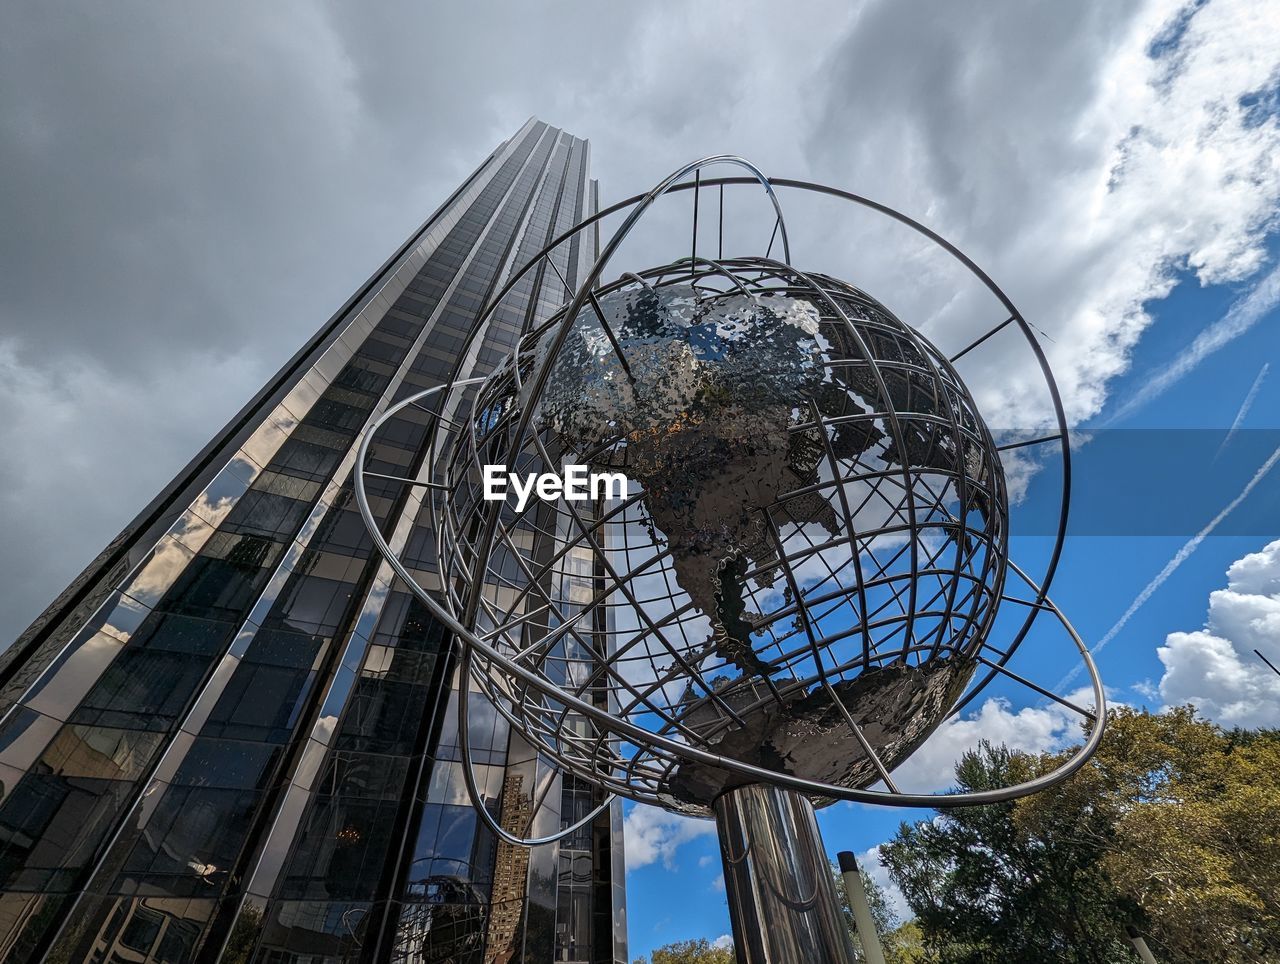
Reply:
x=1140, y=945
x=782, y=900
x=857, y=894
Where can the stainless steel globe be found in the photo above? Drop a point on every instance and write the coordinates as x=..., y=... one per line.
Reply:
x=807, y=561
x=803, y=575
x=799, y=580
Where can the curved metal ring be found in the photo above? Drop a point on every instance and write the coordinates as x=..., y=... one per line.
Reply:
x=473, y=790
x=606, y=721
x=468, y=639
x=1064, y=446
x=580, y=298
x=464, y=732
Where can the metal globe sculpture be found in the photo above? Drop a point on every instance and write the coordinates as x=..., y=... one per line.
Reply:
x=789, y=565
x=812, y=548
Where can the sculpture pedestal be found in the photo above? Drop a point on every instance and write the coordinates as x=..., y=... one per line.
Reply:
x=782, y=900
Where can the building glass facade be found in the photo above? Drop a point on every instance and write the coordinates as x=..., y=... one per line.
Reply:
x=233, y=738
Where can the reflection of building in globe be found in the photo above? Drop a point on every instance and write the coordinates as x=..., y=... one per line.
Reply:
x=510, y=871
x=807, y=564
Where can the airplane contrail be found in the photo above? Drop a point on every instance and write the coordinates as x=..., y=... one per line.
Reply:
x=1178, y=559
x=1240, y=317
x=1244, y=408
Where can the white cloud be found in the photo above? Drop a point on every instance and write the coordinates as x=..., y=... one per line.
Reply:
x=870, y=861
x=1102, y=165
x=1216, y=667
x=1242, y=316
x=1146, y=689
x=1047, y=728
x=1046, y=140
x=724, y=941
x=1034, y=729
x=1170, y=567
x=652, y=835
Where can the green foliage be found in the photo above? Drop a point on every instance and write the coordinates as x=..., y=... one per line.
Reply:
x=1196, y=820
x=880, y=911
x=697, y=951
x=901, y=943
x=244, y=935
x=984, y=891
x=905, y=945
x=1173, y=827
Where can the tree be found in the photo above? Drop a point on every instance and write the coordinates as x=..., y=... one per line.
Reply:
x=905, y=945
x=895, y=942
x=879, y=904
x=1172, y=827
x=699, y=951
x=1194, y=820
x=983, y=890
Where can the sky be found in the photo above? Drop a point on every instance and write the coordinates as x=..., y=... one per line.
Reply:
x=190, y=190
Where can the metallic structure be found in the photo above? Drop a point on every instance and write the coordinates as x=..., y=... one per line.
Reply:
x=864, y=922
x=808, y=572
x=231, y=739
x=776, y=877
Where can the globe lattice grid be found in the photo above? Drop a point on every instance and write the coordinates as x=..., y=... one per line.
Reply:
x=803, y=572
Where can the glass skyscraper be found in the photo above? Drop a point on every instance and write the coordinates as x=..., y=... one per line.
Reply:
x=233, y=737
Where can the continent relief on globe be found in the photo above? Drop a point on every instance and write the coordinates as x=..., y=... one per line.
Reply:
x=708, y=423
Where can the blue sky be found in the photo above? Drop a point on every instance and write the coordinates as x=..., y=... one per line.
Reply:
x=1113, y=164
x=1100, y=576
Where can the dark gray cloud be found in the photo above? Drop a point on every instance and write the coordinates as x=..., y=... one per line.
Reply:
x=189, y=190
